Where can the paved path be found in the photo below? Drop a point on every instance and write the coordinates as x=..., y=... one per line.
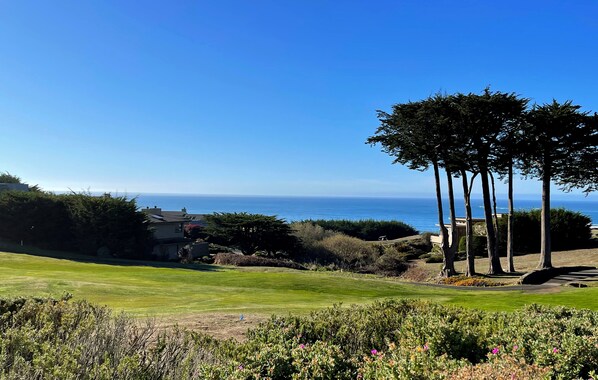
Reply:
x=583, y=276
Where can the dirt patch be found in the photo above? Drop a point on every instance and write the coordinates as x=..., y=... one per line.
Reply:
x=523, y=264
x=218, y=325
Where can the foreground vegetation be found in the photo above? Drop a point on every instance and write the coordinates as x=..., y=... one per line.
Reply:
x=387, y=340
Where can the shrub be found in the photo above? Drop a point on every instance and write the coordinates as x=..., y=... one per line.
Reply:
x=37, y=219
x=253, y=261
x=251, y=233
x=500, y=366
x=414, y=248
x=478, y=245
x=309, y=234
x=194, y=231
x=349, y=252
x=75, y=222
x=58, y=339
x=391, y=263
x=108, y=221
x=42, y=338
x=569, y=230
x=468, y=281
x=367, y=229
x=432, y=258
x=418, y=340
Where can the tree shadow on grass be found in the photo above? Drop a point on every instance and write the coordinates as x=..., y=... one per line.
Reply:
x=78, y=257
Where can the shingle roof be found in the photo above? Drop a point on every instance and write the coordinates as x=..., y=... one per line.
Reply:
x=156, y=215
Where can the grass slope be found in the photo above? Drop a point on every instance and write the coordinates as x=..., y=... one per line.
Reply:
x=153, y=289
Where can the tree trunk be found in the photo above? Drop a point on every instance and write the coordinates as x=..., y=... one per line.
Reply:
x=494, y=213
x=545, y=251
x=449, y=262
x=511, y=264
x=470, y=266
x=443, y=230
x=494, y=261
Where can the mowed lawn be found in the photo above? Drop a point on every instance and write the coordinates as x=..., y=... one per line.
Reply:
x=150, y=289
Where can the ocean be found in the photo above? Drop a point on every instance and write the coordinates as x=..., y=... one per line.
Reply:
x=421, y=213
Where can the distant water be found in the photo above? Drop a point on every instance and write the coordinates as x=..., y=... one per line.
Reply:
x=420, y=213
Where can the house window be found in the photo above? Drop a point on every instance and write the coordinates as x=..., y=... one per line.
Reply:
x=178, y=228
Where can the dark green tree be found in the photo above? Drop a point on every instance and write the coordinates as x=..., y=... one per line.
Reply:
x=418, y=134
x=485, y=118
x=6, y=177
x=507, y=154
x=561, y=145
x=251, y=233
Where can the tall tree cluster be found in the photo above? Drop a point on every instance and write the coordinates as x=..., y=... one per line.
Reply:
x=469, y=136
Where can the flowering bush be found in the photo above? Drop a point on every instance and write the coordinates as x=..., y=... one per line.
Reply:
x=468, y=281
x=385, y=340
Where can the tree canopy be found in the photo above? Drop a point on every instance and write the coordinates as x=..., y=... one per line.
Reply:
x=6, y=177
x=491, y=132
x=250, y=233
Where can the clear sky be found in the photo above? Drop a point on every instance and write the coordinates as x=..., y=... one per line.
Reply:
x=262, y=97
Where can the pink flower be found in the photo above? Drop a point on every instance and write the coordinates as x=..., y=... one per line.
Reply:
x=241, y=367
x=515, y=347
x=426, y=348
x=374, y=352
x=495, y=351
x=302, y=346
x=555, y=350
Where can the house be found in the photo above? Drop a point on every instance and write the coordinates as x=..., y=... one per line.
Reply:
x=168, y=228
x=14, y=187
x=478, y=229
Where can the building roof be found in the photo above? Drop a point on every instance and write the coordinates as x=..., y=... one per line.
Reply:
x=14, y=187
x=156, y=215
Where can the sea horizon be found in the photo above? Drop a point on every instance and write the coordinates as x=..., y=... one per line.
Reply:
x=419, y=212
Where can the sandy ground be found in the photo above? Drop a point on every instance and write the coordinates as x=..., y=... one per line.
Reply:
x=424, y=272
x=218, y=325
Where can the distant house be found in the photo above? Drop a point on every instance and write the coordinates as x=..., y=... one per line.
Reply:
x=14, y=187
x=168, y=228
x=478, y=229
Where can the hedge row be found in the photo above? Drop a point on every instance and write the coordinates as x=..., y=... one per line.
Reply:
x=568, y=230
x=367, y=229
x=75, y=222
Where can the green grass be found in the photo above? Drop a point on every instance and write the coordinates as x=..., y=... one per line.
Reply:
x=171, y=290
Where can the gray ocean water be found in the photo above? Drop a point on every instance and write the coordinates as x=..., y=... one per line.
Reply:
x=421, y=213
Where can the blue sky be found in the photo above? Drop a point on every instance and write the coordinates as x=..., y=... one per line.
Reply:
x=262, y=97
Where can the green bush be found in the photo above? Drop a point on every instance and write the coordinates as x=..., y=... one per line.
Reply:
x=224, y=258
x=75, y=222
x=569, y=230
x=36, y=219
x=418, y=340
x=58, y=339
x=391, y=263
x=408, y=339
x=432, y=258
x=367, y=229
x=110, y=222
x=478, y=245
x=251, y=233
x=413, y=249
x=310, y=234
x=349, y=252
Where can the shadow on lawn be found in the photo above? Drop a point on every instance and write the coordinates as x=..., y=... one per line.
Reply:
x=78, y=257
